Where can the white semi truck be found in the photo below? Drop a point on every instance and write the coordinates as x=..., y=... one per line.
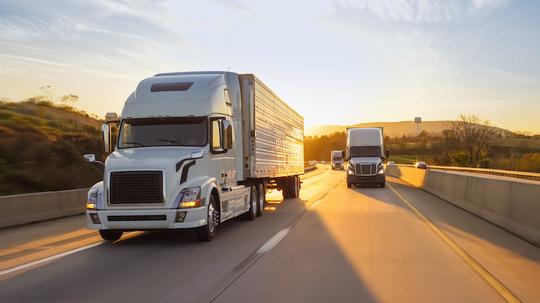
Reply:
x=365, y=153
x=336, y=159
x=195, y=149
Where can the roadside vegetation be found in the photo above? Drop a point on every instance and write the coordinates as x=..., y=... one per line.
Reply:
x=468, y=142
x=41, y=146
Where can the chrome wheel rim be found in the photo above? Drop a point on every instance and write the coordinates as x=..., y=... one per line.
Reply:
x=261, y=197
x=212, y=217
x=253, y=200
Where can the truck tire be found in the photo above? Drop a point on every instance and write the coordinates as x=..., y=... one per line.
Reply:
x=349, y=185
x=383, y=185
x=261, y=195
x=208, y=232
x=251, y=214
x=296, y=186
x=286, y=190
x=110, y=235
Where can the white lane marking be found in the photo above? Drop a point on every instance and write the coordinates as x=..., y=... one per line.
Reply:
x=273, y=241
x=37, y=262
x=315, y=203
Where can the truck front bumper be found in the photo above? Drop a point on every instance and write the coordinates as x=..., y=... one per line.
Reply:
x=146, y=219
x=377, y=179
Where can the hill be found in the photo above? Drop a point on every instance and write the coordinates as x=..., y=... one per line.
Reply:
x=392, y=129
x=41, y=147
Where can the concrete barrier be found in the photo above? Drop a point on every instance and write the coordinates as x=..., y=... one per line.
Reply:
x=511, y=204
x=28, y=208
x=309, y=168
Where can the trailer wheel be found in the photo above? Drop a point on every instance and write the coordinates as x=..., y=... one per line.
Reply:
x=296, y=186
x=110, y=235
x=261, y=195
x=286, y=188
x=251, y=214
x=208, y=232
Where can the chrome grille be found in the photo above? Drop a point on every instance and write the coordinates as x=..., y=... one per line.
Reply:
x=365, y=169
x=136, y=187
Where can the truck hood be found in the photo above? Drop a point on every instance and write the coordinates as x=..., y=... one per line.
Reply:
x=151, y=158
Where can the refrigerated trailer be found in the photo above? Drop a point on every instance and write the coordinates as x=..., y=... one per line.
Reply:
x=195, y=149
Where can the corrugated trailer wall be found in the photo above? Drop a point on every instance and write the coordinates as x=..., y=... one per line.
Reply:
x=278, y=146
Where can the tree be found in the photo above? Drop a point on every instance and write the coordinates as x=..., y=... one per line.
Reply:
x=70, y=99
x=475, y=135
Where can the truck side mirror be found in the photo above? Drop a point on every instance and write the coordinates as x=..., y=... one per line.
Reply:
x=226, y=126
x=106, y=130
x=387, y=154
x=91, y=158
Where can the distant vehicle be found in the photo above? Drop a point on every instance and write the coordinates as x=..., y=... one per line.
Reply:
x=421, y=165
x=336, y=159
x=365, y=153
x=390, y=163
x=194, y=150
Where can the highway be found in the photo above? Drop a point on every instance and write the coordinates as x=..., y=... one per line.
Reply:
x=332, y=244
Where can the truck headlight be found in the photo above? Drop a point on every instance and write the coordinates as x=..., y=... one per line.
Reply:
x=381, y=169
x=91, y=202
x=189, y=197
x=350, y=170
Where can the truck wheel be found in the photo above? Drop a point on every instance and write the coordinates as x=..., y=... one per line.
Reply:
x=349, y=185
x=110, y=235
x=383, y=185
x=261, y=195
x=286, y=190
x=208, y=232
x=296, y=184
x=251, y=214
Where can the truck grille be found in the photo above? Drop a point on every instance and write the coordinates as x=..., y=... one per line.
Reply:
x=133, y=187
x=365, y=169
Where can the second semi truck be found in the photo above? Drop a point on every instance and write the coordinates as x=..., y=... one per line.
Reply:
x=365, y=153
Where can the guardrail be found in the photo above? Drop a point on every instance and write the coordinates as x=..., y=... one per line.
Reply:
x=485, y=171
x=309, y=168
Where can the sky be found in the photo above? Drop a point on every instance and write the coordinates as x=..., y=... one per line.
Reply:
x=335, y=61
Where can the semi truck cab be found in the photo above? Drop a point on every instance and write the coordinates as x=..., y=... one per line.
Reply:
x=365, y=154
x=336, y=159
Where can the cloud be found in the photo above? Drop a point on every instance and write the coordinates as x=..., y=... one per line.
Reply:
x=84, y=36
x=235, y=4
x=418, y=11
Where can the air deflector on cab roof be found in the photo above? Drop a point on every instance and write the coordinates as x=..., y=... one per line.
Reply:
x=171, y=87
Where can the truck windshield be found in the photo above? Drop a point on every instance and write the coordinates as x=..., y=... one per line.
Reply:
x=144, y=132
x=365, y=151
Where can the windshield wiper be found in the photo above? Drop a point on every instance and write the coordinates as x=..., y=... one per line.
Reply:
x=133, y=143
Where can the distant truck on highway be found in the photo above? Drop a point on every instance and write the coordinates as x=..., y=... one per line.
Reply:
x=336, y=159
x=195, y=149
x=365, y=153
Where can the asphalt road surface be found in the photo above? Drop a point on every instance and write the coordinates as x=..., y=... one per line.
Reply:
x=333, y=244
